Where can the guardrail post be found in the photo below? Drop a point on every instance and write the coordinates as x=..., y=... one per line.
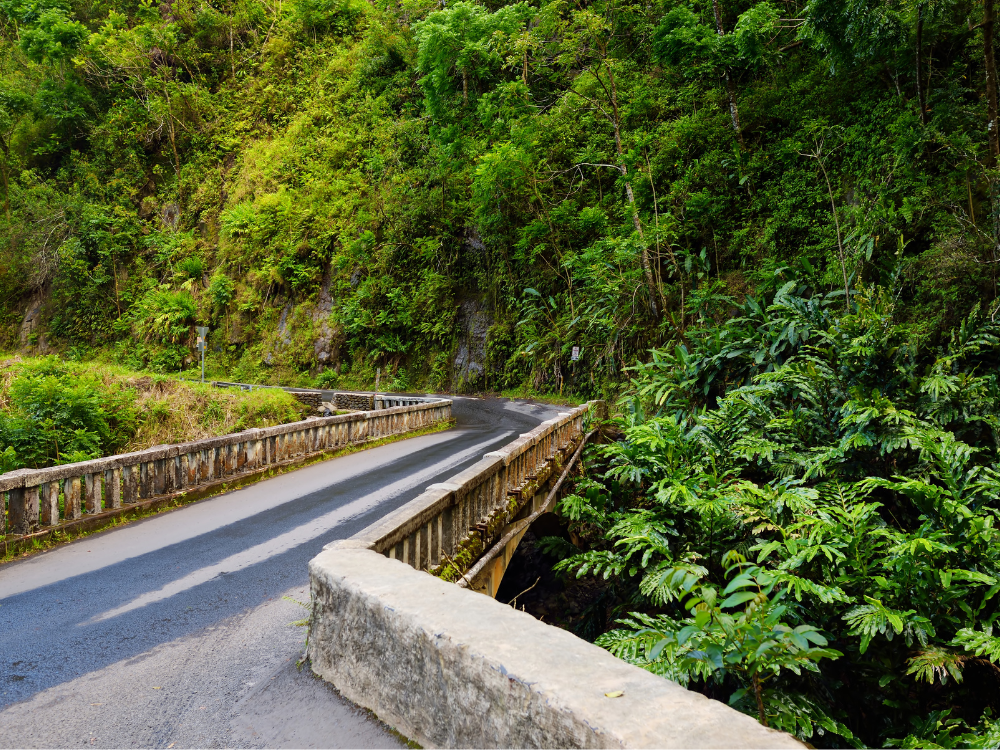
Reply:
x=49, y=498
x=15, y=509
x=174, y=477
x=143, y=484
x=189, y=468
x=158, y=480
x=23, y=510
x=113, y=488
x=130, y=480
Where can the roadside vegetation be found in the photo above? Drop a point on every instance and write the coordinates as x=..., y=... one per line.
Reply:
x=800, y=518
x=55, y=412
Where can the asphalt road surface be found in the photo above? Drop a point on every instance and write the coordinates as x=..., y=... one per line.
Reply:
x=179, y=630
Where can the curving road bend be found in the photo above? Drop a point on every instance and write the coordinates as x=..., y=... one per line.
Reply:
x=178, y=630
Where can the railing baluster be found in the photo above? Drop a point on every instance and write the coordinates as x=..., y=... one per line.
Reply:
x=129, y=484
x=113, y=488
x=71, y=499
x=92, y=493
x=24, y=507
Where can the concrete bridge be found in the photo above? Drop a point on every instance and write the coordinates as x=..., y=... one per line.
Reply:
x=191, y=602
x=175, y=631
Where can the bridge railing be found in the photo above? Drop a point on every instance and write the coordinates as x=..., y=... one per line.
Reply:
x=450, y=668
x=359, y=401
x=447, y=528
x=33, y=500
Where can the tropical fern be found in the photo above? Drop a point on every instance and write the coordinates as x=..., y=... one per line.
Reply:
x=980, y=643
x=936, y=664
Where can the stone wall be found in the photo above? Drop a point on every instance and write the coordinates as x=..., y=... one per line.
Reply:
x=313, y=399
x=354, y=401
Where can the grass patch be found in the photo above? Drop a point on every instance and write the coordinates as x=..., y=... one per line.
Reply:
x=56, y=412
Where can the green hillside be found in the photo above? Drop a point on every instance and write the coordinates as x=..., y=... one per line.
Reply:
x=459, y=195
x=772, y=229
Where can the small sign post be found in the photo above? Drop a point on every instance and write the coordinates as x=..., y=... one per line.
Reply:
x=576, y=353
x=202, y=345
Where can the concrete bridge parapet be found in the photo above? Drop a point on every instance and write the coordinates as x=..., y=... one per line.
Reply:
x=450, y=668
x=34, y=502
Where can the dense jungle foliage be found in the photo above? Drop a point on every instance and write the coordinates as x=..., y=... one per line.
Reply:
x=54, y=412
x=801, y=519
x=800, y=515
x=335, y=186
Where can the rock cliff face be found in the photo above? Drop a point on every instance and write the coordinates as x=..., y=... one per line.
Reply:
x=469, y=364
x=324, y=347
x=31, y=334
x=304, y=333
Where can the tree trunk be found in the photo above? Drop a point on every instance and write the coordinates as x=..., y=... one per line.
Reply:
x=920, y=52
x=734, y=113
x=840, y=243
x=644, y=255
x=993, y=128
x=758, y=694
x=989, y=22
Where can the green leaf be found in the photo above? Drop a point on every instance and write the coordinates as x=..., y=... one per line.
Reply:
x=738, y=598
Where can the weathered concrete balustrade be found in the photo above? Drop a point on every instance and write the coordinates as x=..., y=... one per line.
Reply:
x=35, y=500
x=448, y=667
x=448, y=527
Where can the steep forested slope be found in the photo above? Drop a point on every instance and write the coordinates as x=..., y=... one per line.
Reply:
x=459, y=193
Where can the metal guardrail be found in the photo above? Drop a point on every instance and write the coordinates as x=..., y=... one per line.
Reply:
x=447, y=528
x=37, y=499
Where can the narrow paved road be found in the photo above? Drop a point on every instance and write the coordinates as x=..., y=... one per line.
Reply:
x=178, y=631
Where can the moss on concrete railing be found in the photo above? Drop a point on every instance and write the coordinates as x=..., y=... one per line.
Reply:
x=446, y=529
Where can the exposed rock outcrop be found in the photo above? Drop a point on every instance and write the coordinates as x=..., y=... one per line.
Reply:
x=469, y=365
